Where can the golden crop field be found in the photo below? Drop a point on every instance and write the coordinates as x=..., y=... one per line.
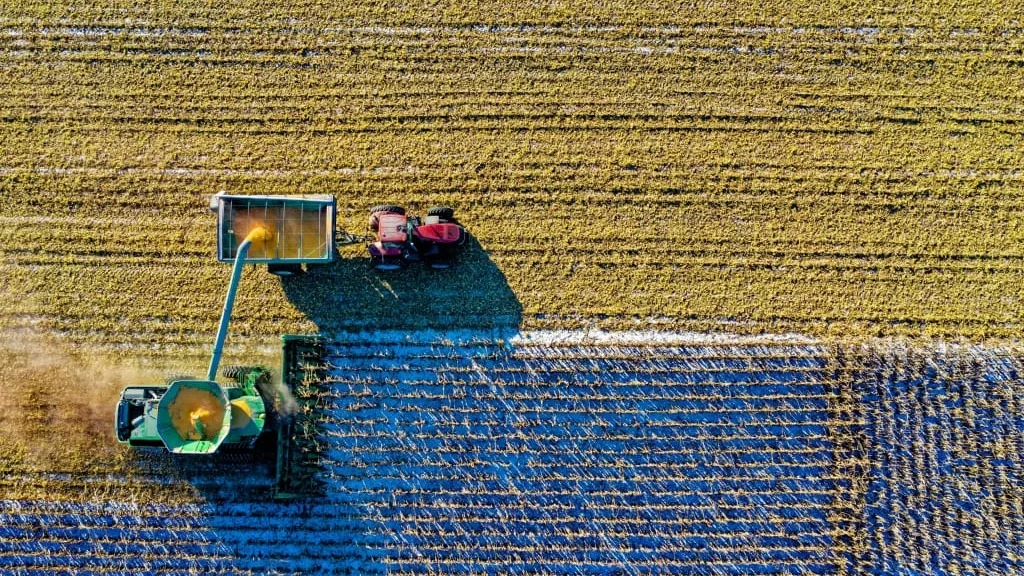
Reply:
x=843, y=171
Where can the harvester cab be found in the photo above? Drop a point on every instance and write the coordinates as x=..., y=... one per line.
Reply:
x=192, y=416
x=434, y=239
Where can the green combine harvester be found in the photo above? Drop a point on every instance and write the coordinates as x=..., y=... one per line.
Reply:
x=194, y=416
x=203, y=416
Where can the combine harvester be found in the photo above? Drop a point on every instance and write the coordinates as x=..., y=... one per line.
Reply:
x=202, y=416
x=287, y=234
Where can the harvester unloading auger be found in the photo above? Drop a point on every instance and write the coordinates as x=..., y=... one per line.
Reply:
x=199, y=416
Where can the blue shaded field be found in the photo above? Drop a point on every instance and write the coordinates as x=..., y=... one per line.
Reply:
x=448, y=454
x=945, y=439
x=469, y=455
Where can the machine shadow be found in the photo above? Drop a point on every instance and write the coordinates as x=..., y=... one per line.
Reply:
x=345, y=300
x=349, y=297
x=349, y=294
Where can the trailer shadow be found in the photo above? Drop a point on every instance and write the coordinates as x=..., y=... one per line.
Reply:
x=350, y=295
x=345, y=300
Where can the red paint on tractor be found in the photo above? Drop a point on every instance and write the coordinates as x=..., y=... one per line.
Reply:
x=392, y=228
x=443, y=233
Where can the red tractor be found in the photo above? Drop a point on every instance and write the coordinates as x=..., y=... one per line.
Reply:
x=400, y=238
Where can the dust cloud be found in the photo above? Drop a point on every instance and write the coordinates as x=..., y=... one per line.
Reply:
x=56, y=406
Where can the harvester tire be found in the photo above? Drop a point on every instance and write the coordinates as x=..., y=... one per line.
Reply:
x=236, y=372
x=442, y=212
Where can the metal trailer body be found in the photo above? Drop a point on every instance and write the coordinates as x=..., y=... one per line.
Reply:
x=300, y=229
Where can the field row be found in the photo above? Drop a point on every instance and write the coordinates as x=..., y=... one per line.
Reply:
x=464, y=477
x=349, y=295
x=502, y=479
x=316, y=14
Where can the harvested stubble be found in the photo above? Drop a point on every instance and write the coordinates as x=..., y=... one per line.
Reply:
x=834, y=171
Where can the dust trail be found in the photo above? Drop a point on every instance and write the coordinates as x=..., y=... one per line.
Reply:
x=56, y=406
x=286, y=403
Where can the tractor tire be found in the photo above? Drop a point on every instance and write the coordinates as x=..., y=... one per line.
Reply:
x=285, y=270
x=386, y=266
x=383, y=209
x=442, y=212
x=388, y=209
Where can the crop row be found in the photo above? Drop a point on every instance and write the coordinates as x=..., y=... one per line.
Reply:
x=851, y=21
x=106, y=307
x=471, y=482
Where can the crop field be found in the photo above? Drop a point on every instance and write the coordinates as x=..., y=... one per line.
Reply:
x=744, y=290
x=849, y=170
x=558, y=453
x=945, y=434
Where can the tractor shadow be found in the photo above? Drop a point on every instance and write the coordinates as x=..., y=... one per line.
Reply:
x=349, y=294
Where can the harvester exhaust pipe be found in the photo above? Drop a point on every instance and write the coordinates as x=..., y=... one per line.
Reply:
x=260, y=234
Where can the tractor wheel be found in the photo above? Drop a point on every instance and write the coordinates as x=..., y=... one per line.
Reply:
x=387, y=209
x=386, y=266
x=442, y=212
x=285, y=270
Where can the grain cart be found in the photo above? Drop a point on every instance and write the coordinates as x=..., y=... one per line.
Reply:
x=298, y=230
x=199, y=415
x=400, y=238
